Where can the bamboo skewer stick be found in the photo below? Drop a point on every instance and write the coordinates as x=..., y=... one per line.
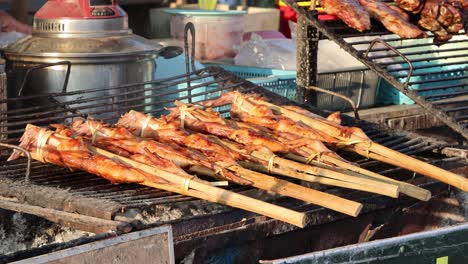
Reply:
x=385, y=154
x=311, y=178
x=412, y=164
x=204, y=190
x=369, y=185
x=405, y=188
x=288, y=168
x=286, y=188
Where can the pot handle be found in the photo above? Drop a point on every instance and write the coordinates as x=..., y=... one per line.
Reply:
x=169, y=52
x=42, y=66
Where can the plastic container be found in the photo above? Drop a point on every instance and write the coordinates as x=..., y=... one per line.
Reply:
x=217, y=33
x=359, y=85
x=389, y=95
x=161, y=98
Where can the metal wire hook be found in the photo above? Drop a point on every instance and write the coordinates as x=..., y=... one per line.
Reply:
x=383, y=42
x=351, y=102
x=28, y=156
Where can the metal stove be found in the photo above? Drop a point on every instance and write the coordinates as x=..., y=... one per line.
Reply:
x=131, y=207
x=135, y=207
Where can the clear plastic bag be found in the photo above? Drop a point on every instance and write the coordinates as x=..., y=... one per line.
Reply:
x=267, y=53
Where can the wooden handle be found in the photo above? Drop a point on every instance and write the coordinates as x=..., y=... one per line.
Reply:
x=76, y=221
x=286, y=188
x=405, y=188
x=396, y=158
x=387, y=155
x=204, y=190
x=388, y=189
x=311, y=178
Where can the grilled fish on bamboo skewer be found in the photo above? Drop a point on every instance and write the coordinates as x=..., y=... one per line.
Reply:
x=338, y=131
x=75, y=153
x=197, y=116
x=105, y=135
x=355, y=139
x=258, y=180
x=262, y=156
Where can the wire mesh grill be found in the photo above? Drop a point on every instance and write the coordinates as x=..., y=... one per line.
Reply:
x=150, y=97
x=435, y=77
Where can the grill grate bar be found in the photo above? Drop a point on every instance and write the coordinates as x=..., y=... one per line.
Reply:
x=462, y=65
x=455, y=78
x=441, y=72
x=446, y=95
x=461, y=101
x=456, y=109
x=414, y=53
x=462, y=118
x=425, y=59
x=396, y=38
x=400, y=47
x=440, y=87
x=134, y=196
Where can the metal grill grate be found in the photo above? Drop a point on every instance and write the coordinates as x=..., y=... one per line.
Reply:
x=151, y=97
x=435, y=77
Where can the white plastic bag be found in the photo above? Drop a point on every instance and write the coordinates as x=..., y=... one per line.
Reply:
x=7, y=38
x=267, y=53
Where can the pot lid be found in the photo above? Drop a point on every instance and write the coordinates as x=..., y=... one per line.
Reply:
x=77, y=47
x=80, y=29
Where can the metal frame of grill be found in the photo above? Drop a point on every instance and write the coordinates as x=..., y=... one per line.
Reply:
x=50, y=187
x=81, y=193
x=435, y=78
x=90, y=195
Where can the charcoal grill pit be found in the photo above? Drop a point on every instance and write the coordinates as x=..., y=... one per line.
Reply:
x=193, y=220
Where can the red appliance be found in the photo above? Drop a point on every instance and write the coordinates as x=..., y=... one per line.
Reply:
x=80, y=9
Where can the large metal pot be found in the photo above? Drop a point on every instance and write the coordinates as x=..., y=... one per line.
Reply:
x=98, y=53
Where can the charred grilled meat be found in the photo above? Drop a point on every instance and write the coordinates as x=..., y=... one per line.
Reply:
x=349, y=11
x=392, y=20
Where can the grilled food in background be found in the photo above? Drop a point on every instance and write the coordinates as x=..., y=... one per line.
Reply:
x=349, y=11
x=393, y=20
x=442, y=17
